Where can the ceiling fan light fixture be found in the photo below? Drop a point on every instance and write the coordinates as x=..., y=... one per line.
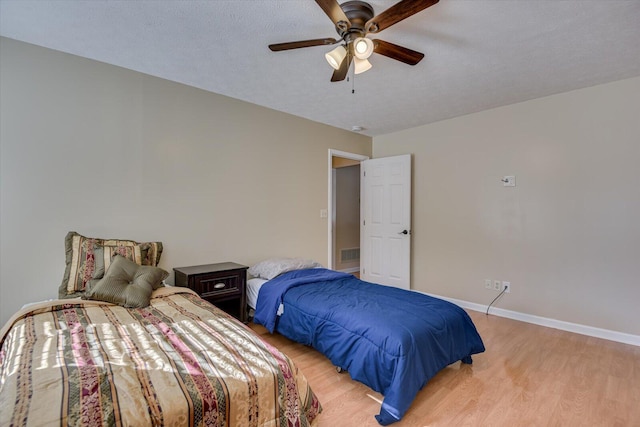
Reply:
x=354, y=20
x=362, y=47
x=361, y=65
x=336, y=56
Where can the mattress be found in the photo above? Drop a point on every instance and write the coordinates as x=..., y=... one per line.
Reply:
x=253, y=289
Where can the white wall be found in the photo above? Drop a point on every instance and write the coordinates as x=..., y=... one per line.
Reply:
x=567, y=236
x=109, y=152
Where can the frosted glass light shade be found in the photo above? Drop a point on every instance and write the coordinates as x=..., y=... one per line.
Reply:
x=362, y=47
x=336, y=56
x=360, y=65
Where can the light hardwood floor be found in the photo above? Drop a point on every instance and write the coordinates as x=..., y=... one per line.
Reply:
x=529, y=376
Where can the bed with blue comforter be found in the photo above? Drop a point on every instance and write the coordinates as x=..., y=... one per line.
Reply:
x=390, y=339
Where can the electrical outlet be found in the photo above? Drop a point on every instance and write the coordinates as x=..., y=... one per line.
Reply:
x=487, y=284
x=507, y=287
x=497, y=285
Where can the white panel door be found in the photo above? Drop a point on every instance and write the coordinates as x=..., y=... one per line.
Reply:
x=385, y=230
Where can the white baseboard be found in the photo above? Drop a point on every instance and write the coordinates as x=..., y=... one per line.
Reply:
x=350, y=270
x=550, y=323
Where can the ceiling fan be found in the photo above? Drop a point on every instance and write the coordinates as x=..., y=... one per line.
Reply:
x=354, y=20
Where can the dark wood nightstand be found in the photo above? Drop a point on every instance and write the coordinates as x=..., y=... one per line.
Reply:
x=222, y=284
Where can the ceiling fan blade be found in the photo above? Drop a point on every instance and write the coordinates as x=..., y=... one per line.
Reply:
x=397, y=13
x=396, y=52
x=335, y=12
x=341, y=73
x=302, y=43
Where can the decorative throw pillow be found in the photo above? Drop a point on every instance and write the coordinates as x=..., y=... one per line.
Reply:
x=87, y=258
x=127, y=284
x=270, y=268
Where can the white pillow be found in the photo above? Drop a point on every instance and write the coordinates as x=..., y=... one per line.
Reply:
x=270, y=268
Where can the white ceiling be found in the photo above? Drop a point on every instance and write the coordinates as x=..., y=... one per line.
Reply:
x=479, y=54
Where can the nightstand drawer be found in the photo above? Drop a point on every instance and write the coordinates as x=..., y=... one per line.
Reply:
x=207, y=285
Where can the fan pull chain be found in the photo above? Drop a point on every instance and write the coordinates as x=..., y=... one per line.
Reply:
x=353, y=81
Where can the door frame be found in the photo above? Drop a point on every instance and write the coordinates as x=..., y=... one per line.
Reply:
x=331, y=199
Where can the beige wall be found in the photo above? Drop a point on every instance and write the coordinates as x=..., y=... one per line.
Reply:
x=109, y=152
x=347, y=214
x=567, y=236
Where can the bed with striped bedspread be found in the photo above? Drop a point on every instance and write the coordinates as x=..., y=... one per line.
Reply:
x=178, y=362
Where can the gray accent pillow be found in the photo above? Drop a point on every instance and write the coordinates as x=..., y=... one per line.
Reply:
x=127, y=284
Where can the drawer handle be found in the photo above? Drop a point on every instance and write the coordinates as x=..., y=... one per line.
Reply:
x=219, y=285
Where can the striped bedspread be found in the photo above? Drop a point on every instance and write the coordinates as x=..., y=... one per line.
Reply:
x=178, y=362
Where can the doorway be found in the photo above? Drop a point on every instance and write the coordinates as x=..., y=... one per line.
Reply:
x=344, y=211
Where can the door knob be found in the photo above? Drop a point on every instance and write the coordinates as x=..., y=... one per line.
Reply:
x=404, y=232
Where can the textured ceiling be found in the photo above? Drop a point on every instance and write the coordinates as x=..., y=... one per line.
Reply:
x=479, y=54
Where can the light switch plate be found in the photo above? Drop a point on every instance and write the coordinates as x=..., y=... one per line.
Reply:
x=509, y=181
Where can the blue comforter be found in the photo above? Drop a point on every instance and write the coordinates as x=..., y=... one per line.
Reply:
x=390, y=339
